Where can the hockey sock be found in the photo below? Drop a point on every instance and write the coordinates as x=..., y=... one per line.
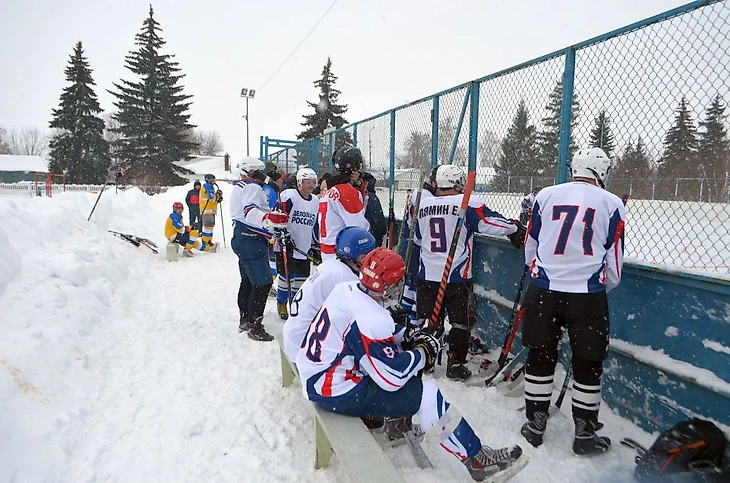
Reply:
x=458, y=340
x=586, y=388
x=539, y=374
x=244, y=292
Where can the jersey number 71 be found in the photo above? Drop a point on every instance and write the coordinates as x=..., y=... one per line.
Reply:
x=571, y=212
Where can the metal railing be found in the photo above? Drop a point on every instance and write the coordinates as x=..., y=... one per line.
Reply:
x=652, y=94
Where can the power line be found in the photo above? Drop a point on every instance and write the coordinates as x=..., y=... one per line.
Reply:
x=298, y=45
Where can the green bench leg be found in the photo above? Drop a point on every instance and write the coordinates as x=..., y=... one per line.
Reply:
x=323, y=450
x=287, y=375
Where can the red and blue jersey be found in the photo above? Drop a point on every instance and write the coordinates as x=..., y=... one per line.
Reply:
x=249, y=204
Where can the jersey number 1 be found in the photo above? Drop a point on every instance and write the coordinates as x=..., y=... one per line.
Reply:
x=571, y=212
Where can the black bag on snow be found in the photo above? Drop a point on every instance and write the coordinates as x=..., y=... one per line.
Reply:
x=690, y=451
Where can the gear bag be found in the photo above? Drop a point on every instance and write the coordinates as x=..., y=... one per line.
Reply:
x=689, y=451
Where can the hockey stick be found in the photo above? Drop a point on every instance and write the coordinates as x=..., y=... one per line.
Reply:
x=433, y=321
x=134, y=240
x=146, y=240
x=220, y=210
x=563, y=390
x=101, y=191
x=283, y=252
x=401, y=229
x=515, y=318
x=411, y=234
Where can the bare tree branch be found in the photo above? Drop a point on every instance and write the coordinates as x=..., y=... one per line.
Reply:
x=27, y=142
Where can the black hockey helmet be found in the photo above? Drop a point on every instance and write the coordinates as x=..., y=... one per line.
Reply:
x=347, y=159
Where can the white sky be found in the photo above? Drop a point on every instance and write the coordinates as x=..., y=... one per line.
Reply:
x=385, y=52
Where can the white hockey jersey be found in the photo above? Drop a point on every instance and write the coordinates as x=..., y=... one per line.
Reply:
x=410, y=209
x=340, y=206
x=437, y=217
x=302, y=224
x=309, y=299
x=353, y=338
x=575, y=239
x=249, y=204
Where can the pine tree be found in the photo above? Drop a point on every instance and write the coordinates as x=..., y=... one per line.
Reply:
x=633, y=172
x=327, y=112
x=679, y=157
x=78, y=147
x=152, y=112
x=548, y=138
x=713, y=152
x=601, y=135
x=519, y=156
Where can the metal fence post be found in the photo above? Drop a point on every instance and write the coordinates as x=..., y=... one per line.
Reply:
x=457, y=133
x=565, y=115
x=435, y=132
x=354, y=135
x=473, y=125
x=392, y=147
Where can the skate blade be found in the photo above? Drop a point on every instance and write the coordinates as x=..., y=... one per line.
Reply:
x=505, y=475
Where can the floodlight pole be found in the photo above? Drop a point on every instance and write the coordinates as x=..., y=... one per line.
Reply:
x=248, y=94
x=247, y=126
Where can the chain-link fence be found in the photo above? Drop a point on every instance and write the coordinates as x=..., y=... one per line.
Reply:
x=653, y=95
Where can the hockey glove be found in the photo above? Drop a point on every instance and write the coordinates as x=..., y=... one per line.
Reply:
x=284, y=238
x=400, y=316
x=517, y=239
x=275, y=220
x=431, y=346
x=218, y=196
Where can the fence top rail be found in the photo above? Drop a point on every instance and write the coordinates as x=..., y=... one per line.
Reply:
x=543, y=58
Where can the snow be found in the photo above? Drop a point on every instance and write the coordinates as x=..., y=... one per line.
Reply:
x=11, y=162
x=716, y=346
x=116, y=365
x=671, y=331
x=214, y=165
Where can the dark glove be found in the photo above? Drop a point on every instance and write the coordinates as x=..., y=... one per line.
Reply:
x=431, y=346
x=316, y=253
x=400, y=315
x=517, y=239
x=218, y=196
x=285, y=240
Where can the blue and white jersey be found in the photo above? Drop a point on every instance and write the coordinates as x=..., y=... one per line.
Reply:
x=249, y=205
x=309, y=299
x=437, y=217
x=302, y=224
x=575, y=239
x=351, y=339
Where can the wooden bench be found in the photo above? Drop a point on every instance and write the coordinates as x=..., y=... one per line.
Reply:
x=362, y=457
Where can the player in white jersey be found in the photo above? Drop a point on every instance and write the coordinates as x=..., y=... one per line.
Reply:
x=253, y=225
x=352, y=362
x=437, y=219
x=302, y=208
x=526, y=205
x=341, y=204
x=353, y=244
x=574, y=250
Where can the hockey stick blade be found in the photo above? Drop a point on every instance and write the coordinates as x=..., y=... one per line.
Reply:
x=495, y=377
x=416, y=450
x=507, y=474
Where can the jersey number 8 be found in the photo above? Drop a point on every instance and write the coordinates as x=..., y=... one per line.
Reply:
x=317, y=333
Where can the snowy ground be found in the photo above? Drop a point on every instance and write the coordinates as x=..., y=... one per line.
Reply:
x=116, y=365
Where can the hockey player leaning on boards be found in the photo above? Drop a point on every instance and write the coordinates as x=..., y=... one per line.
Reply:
x=302, y=207
x=253, y=226
x=352, y=362
x=353, y=244
x=341, y=204
x=437, y=218
x=574, y=249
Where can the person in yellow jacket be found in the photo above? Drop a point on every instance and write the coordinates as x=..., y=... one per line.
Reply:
x=209, y=199
x=177, y=232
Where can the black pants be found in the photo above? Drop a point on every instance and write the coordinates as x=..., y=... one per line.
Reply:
x=194, y=213
x=586, y=319
x=459, y=303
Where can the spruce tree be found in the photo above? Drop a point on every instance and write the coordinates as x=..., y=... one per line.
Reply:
x=633, y=172
x=327, y=112
x=601, y=135
x=680, y=156
x=713, y=152
x=152, y=111
x=519, y=158
x=548, y=138
x=78, y=146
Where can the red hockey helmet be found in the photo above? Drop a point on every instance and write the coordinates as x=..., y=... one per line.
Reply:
x=381, y=269
x=177, y=206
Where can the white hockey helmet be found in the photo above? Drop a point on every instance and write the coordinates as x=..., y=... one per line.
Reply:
x=591, y=163
x=247, y=165
x=449, y=176
x=306, y=173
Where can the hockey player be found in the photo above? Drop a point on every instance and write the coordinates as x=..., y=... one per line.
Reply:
x=209, y=200
x=574, y=250
x=437, y=218
x=187, y=236
x=253, y=225
x=193, y=201
x=353, y=244
x=352, y=362
x=341, y=204
x=526, y=205
x=302, y=208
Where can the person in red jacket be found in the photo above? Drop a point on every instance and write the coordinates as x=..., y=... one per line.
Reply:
x=192, y=200
x=341, y=204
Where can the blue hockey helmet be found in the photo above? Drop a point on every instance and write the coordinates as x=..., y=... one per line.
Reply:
x=352, y=242
x=209, y=177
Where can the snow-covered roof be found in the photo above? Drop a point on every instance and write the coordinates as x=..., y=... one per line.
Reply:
x=215, y=165
x=11, y=162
